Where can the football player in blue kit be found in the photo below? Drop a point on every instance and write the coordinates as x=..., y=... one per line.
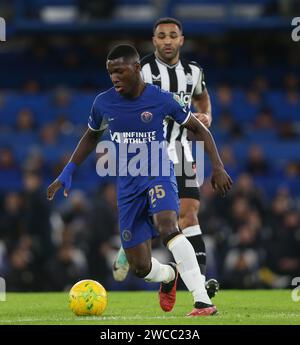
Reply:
x=148, y=205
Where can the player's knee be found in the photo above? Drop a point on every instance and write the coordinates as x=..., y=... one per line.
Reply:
x=141, y=269
x=166, y=226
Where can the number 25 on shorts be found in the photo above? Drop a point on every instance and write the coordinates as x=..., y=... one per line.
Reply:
x=156, y=193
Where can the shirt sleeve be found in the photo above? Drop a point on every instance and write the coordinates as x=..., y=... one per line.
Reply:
x=200, y=86
x=177, y=110
x=96, y=120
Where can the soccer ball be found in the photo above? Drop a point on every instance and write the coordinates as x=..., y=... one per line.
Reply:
x=87, y=297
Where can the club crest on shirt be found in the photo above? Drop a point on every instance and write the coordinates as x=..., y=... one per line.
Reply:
x=126, y=235
x=146, y=116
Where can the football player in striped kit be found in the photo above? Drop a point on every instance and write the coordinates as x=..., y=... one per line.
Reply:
x=167, y=69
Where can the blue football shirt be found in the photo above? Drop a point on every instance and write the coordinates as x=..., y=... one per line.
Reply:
x=138, y=123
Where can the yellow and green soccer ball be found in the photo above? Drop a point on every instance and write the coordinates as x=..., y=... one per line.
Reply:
x=87, y=297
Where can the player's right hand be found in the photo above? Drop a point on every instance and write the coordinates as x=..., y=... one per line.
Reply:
x=64, y=180
x=54, y=187
x=221, y=181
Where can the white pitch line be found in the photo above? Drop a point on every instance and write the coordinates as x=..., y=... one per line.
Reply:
x=91, y=318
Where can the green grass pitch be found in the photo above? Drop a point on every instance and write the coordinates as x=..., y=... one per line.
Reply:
x=268, y=307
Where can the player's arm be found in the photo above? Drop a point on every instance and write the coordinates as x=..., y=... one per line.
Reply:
x=202, y=106
x=220, y=180
x=86, y=145
x=201, y=101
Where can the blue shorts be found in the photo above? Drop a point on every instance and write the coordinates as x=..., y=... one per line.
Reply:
x=135, y=214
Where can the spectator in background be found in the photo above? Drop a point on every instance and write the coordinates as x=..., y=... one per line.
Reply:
x=280, y=205
x=228, y=126
x=287, y=131
x=253, y=102
x=31, y=86
x=291, y=82
x=229, y=160
x=9, y=169
x=66, y=266
x=37, y=214
x=23, y=267
x=256, y=164
x=76, y=217
x=2, y=102
x=104, y=242
x=240, y=210
x=62, y=101
x=224, y=96
x=49, y=135
x=243, y=259
x=7, y=159
x=283, y=259
x=261, y=84
x=12, y=219
x=35, y=161
x=265, y=120
x=25, y=121
x=245, y=187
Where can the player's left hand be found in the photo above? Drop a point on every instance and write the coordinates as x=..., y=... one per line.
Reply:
x=204, y=118
x=221, y=181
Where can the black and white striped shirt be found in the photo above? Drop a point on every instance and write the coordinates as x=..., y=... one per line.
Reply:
x=186, y=79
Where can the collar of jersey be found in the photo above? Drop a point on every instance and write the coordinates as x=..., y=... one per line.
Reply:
x=165, y=64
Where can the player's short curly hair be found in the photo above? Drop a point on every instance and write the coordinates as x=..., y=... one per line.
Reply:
x=125, y=51
x=167, y=20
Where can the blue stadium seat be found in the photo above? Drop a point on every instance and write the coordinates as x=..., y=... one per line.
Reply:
x=282, y=109
x=261, y=136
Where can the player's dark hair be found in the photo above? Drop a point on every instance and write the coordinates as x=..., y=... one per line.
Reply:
x=167, y=20
x=125, y=51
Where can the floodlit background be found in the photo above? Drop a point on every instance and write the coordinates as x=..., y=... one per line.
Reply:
x=52, y=65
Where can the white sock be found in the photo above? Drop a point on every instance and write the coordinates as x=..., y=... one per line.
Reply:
x=193, y=230
x=188, y=268
x=160, y=272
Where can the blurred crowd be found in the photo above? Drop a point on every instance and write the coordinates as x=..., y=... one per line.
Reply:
x=252, y=236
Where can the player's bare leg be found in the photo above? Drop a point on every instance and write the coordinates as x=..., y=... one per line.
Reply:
x=189, y=225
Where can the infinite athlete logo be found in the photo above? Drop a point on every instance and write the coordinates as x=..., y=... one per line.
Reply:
x=146, y=116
